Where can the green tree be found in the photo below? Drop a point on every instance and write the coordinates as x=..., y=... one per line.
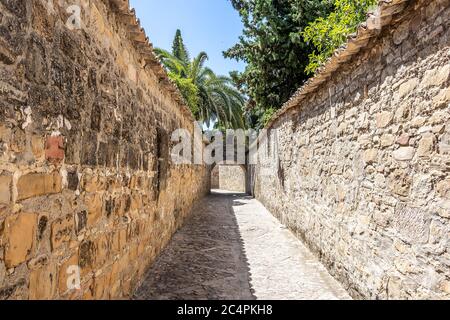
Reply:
x=188, y=90
x=274, y=50
x=211, y=98
x=179, y=50
x=328, y=33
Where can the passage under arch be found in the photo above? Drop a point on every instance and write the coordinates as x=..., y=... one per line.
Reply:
x=228, y=177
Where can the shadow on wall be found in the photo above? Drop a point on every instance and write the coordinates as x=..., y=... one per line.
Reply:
x=205, y=259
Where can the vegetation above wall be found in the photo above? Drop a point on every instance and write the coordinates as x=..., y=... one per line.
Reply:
x=328, y=33
x=211, y=98
x=283, y=43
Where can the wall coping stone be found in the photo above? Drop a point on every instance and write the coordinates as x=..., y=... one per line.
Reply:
x=142, y=45
x=387, y=13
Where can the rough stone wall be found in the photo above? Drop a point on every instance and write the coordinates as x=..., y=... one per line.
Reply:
x=83, y=124
x=215, y=180
x=363, y=176
x=231, y=178
x=228, y=177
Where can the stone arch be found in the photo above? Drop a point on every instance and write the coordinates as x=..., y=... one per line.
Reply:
x=230, y=177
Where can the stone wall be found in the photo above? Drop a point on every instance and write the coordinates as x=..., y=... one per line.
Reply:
x=85, y=174
x=215, y=180
x=363, y=173
x=228, y=177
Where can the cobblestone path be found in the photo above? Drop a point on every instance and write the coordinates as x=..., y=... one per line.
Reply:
x=233, y=248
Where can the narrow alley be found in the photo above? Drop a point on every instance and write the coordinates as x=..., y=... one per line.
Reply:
x=233, y=248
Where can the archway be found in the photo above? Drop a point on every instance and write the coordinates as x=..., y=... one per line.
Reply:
x=229, y=177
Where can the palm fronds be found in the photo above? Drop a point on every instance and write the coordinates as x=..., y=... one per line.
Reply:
x=212, y=98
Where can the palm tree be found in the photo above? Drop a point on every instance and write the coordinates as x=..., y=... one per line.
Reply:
x=211, y=98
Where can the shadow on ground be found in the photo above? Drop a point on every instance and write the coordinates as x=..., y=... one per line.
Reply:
x=206, y=257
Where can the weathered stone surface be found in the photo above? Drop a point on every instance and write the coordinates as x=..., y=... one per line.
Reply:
x=401, y=33
x=83, y=127
x=443, y=188
x=387, y=140
x=93, y=183
x=5, y=189
x=15, y=290
x=445, y=286
x=86, y=256
x=370, y=156
x=426, y=145
x=37, y=146
x=407, y=87
x=89, y=86
x=54, y=149
x=442, y=97
x=38, y=184
x=2, y=273
x=19, y=235
x=38, y=262
x=380, y=227
x=102, y=250
x=435, y=77
x=81, y=220
x=229, y=177
x=42, y=226
x=404, y=153
x=384, y=119
x=43, y=283
x=72, y=180
x=412, y=224
x=403, y=140
x=65, y=271
x=444, y=144
x=215, y=178
x=101, y=287
x=400, y=182
x=95, y=208
x=62, y=230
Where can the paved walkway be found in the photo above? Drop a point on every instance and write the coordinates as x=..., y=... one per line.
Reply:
x=233, y=248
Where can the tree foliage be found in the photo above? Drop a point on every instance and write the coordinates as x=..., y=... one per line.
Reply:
x=188, y=90
x=328, y=33
x=179, y=50
x=283, y=44
x=274, y=49
x=211, y=98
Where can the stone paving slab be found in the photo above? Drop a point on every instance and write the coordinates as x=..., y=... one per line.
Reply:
x=233, y=248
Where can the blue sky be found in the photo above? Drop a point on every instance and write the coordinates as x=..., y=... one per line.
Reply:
x=207, y=25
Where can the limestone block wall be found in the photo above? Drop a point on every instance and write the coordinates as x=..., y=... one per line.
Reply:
x=364, y=162
x=215, y=178
x=85, y=173
x=229, y=177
